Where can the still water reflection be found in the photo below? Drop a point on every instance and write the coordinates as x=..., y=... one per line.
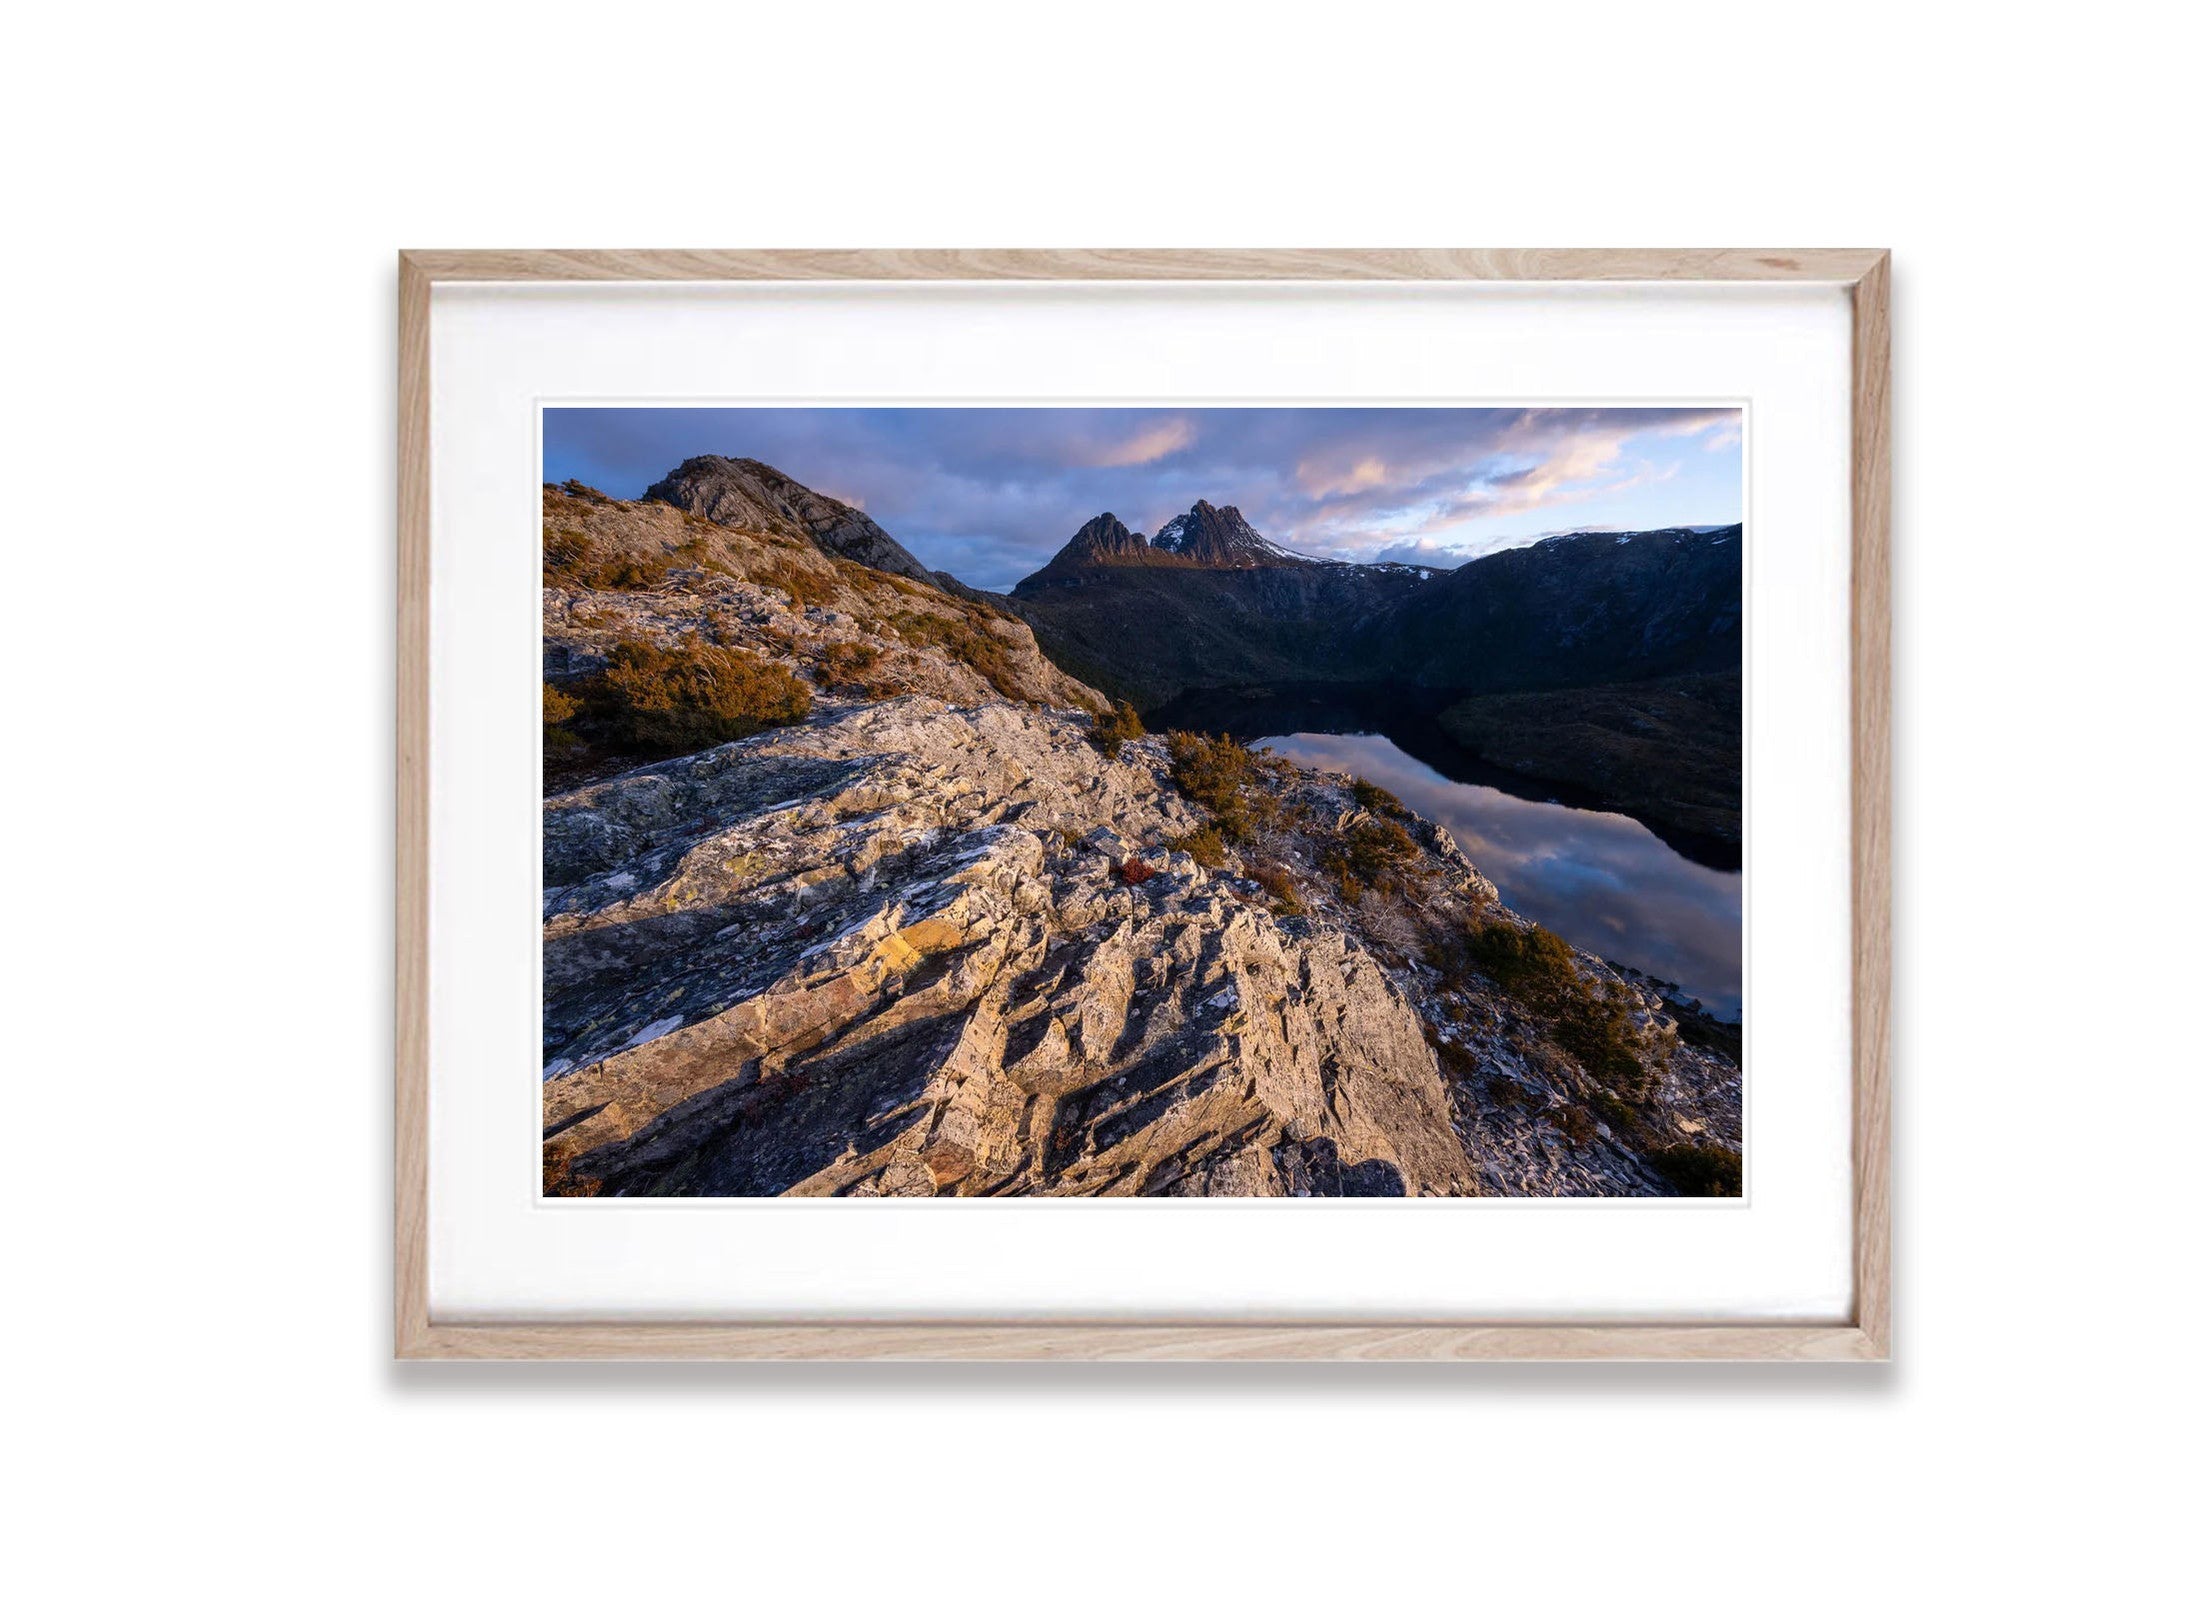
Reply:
x=1601, y=881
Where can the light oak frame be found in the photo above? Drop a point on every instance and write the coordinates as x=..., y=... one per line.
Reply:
x=1862, y=1336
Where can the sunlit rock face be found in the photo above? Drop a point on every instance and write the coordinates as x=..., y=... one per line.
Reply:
x=897, y=953
x=750, y=496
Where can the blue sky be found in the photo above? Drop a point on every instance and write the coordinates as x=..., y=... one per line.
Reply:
x=990, y=494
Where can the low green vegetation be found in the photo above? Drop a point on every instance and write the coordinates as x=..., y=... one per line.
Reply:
x=1699, y=1171
x=1112, y=727
x=1374, y=797
x=695, y=551
x=1598, y=1031
x=1218, y=773
x=1617, y=1114
x=558, y=708
x=1281, y=887
x=872, y=581
x=562, y=549
x=799, y=581
x=964, y=638
x=1589, y=1019
x=669, y=699
x=1575, y=1123
x=1377, y=854
x=1531, y=962
x=570, y=561
x=848, y=665
x=1202, y=844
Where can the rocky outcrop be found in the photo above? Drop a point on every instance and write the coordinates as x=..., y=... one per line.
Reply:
x=897, y=952
x=750, y=496
x=623, y=570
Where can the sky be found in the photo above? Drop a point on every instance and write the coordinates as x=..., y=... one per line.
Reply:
x=990, y=494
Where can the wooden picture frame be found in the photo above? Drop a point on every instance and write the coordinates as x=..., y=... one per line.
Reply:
x=1863, y=1335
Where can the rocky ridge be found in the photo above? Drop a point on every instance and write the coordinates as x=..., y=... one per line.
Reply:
x=752, y=497
x=621, y=570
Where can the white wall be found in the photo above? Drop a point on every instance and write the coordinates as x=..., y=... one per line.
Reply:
x=200, y=358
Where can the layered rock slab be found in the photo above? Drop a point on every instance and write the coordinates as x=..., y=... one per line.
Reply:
x=894, y=952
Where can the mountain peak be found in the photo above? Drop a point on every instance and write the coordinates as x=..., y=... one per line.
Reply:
x=1105, y=538
x=1204, y=536
x=1218, y=537
x=737, y=492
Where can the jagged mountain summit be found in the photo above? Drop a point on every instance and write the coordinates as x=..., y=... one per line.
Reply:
x=1102, y=540
x=748, y=495
x=1221, y=538
x=1204, y=537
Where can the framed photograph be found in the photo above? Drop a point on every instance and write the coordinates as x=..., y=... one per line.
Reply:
x=1141, y=804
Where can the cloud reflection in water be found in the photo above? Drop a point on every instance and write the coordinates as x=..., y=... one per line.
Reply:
x=1601, y=881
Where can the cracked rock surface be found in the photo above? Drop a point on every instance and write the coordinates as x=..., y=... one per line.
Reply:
x=892, y=952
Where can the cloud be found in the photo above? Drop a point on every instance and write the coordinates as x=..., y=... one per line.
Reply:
x=1321, y=479
x=1420, y=552
x=1151, y=443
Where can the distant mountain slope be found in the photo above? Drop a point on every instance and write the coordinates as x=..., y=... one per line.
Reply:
x=1583, y=609
x=1608, y=661
x=755, y=498
x=1156, y=632
x=1209, y=603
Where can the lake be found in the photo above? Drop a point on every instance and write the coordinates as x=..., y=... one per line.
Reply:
x=1602, y=881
